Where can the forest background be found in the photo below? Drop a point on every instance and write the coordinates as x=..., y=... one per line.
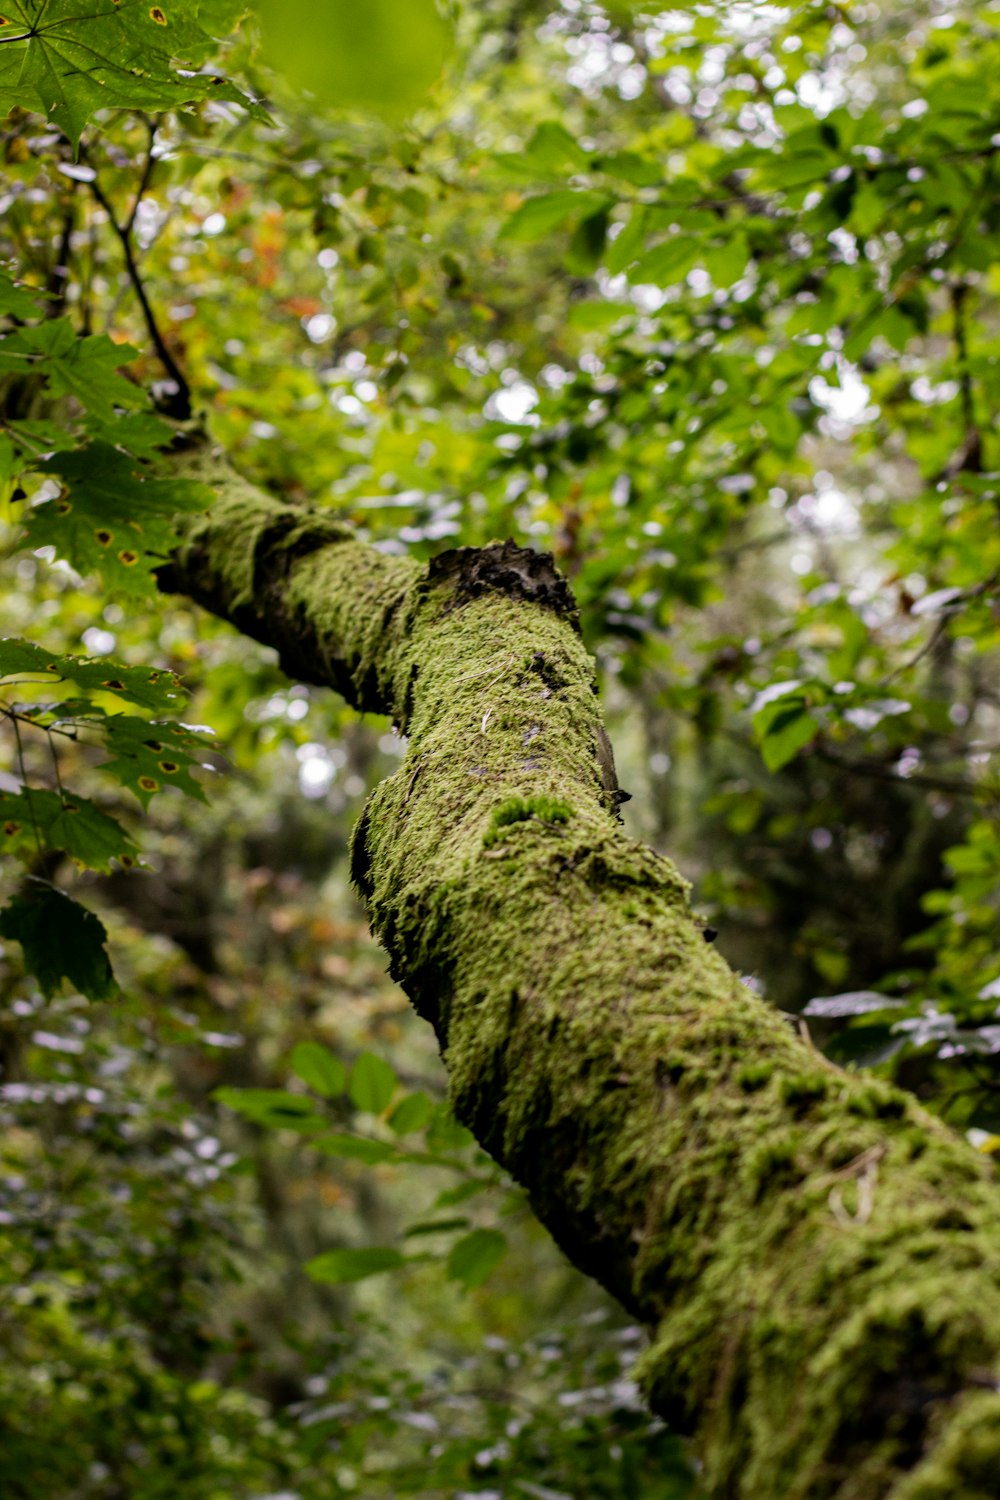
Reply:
x=704, y=301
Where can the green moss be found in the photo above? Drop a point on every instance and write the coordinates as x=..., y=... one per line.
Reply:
x=799, y=1090
x=754, y=1075
x=519, y=810
x=875, y=1100
x=771, y=1164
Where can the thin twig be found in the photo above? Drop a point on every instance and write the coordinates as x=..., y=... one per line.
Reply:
x=953, y=608
x=8, y=711
x=147, y=172
x=57, y=281
x=178, y=405
x=55, y=763
x=24, y=782
x=925, y=650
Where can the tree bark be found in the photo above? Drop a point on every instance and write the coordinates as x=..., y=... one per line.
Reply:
x=816, y=1259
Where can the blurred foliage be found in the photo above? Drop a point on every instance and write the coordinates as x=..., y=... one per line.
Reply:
x=706, y=301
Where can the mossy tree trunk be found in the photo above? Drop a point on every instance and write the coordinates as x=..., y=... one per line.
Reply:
x=817, y=1260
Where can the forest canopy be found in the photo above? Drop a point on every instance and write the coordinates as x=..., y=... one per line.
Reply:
x=702, y=301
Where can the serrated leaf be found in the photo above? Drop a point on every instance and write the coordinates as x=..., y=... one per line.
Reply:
x=412, y=1113
x=34, y=817
x=147, y=687
x=112, y=518
x=19, y=301
x=139, y=432
x=40, y=435
x=61, y=940
x=372, y=1083
x=319, y=1069
x=86, y=368
x=220, y=17
x=18, y=657
x=67, y=62
x=148, y=755
x=472, y=1258
x=337, y=1266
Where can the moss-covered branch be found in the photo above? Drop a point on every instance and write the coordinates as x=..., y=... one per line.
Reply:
x=817, y=1260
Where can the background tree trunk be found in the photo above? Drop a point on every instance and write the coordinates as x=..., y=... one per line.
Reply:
x=817, y=1260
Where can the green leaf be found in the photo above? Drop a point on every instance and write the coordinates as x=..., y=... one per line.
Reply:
x=356, y=1148
x=434, y=1226
x=220, y=17
x=139, y=432
x=666, y=264
x=598, y=316
x=372, y=1083
x=451, y=1197
x=629, y=166
x=787, y=733
x=275, y=1108
x=627, y=244
x=446, y=1134
x=18, y=657
x=112, y=520
x=586, y=247
x=68, y=61
x=781, y=427
x=149, y=688
x=474, y=1256
x=19, y=301
x=148, y=755
x=318, y=1068
x=337, y=1266
x=726, y=261
x=33, y=816
x=539, y=216
x=86, y=368
x=412, y=1113
x=553, y=148
x=61, y=940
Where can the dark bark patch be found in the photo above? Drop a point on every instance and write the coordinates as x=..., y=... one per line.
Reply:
x=504, y=568
x=360, y=859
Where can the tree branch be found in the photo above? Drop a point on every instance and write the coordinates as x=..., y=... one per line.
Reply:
x=957, y=785
x=817, y=1260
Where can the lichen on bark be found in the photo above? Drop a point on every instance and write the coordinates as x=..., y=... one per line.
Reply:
x=817, y=1260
